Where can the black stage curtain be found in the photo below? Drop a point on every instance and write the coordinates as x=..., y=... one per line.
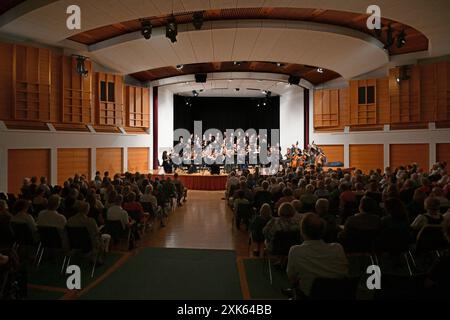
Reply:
x=227, y=113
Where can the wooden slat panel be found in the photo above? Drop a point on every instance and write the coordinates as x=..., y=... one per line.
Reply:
x=367, y=156
x=73, y=161
x=428, y=92
x=333, y=153
x=383, y=100
x=109, y=159
x=443, y=152
x=405, y=154
x=138, y=160
x=26, y=163
x=6, y=80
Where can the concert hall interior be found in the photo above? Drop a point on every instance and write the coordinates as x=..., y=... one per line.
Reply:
x=224, y=149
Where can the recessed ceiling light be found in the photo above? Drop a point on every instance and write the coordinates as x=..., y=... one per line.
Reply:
x=319, y=70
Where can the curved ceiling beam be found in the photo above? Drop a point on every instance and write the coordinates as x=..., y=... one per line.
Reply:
x=47, y=23
x=345, y=51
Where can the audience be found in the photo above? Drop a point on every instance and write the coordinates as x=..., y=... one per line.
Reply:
x=432, y=215
x=21, y=215
x=284, y=222
x=314, y=258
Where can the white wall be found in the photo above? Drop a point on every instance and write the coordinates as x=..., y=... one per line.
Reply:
x=165, y=120
x=291, y=118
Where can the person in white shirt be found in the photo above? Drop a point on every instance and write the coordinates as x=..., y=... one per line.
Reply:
x=22, y=216
x=314, y=258
x=116, y=212
x=51, y=217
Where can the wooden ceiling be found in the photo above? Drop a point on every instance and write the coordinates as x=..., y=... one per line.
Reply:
x=5, y=5
x=415, y=40
x=306, y=72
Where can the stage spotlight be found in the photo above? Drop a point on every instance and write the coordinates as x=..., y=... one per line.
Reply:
x=146, y=29
x=294, y=80
x=237, y=63
x=398, y=80
x=401, y=39
x=197, y=20
x=81, y=68
x=180, y=66
x=194, y=93
x=319, y=70
x=389, y=37
x=237, y=89
x=279, y=64
x=172, y=29
x=264, y=103
x=264, y=92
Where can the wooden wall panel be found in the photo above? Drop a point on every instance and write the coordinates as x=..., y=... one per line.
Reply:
x=109, y=159
x=367, y=156
x=334, y=153
x=326, y=108
x=344, y=107
x=73, y=161
x=443, y=152
x=137, y=106
x=383, y=108
x=404, y=154
x=6, y=80
x=138, y=160
x=109, y=112
x=24, y=163
x=428, y=92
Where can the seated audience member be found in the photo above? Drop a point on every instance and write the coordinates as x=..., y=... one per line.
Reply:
x=100, y=243
x=426, y=186
x=361, y=223
x=232, y=184
x=133, y=207
x=180, y=189
x=95, y=208
x=331, y=227
x=298, y=216
x=417, y=206
x=321, y=191
x=301, y=190
x=438, y=193
x=240, y=199
x=44, y=186
x=284, y=222
x=262, y=196
x=51, y=217
x=395, y=223
x=407, y=191
x=347, y=204
x=244, y=188
x=287, y=197
x=373, y=192
x=149, y=198
x=4, y=210
x=21, y=215
x=257, y=225
x=39, y=201
x=116, y=212
x=432, y=215
x=314, y=258
x=308, y=199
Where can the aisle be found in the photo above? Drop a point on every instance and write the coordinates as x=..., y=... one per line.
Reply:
x=203, y=222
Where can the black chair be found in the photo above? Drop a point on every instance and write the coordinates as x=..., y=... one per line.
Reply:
x=80, y=241
x=6, y=236
x=430, y=239
x=334, y=289
x=50, y=238
x=115, y=229
x=281, y=244
x=23, y=235
x=244, y=213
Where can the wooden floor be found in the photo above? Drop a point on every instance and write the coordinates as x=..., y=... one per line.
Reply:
x=203, y=222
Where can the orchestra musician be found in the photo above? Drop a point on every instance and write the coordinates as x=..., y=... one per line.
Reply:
x=167, y=162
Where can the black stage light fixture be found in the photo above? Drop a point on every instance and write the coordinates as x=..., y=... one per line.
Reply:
x=379, y=32
x=197, y=20
x=81, y=68
x=294, y=80
x=200, y=77
x=389, y=37
x=195, y=93
x=172, y=29
x=146, y=29
x=401, y=39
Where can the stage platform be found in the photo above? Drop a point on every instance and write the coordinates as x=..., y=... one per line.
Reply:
x=198, y=181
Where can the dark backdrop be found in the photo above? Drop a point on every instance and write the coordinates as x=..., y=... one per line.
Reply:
x=227, y=113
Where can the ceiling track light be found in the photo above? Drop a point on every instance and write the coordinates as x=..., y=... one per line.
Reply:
x=172, y=29
x=197, y=20
x=195, y=93
x=146, y=28
x=319, y=70
x=401, y=39
x=81, y=67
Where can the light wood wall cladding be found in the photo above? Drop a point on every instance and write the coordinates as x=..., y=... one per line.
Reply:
x=73, y=161
x=333, y=153
x=26, y=163
x=405, y=154
x=109, y=99
x=443, y=152
x=326, y=108
x=138, y=160
x=137, y=105
x=77, y=93
x=423, y=98
x=109, y=159
x=6, y=81
x=367, y=157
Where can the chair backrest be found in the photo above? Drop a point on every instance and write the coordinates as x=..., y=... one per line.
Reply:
x=284, y=240
x=6, y=235
x=79, y=238
x=50, y=237
x=334, y=289
x=134, y=215
x=148, y=208
x=22, y=233
x=430, y=238
x=114, y=228
x=360, y=240
x=393, y=241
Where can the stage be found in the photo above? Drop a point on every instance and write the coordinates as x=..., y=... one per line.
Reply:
x=197, y=181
